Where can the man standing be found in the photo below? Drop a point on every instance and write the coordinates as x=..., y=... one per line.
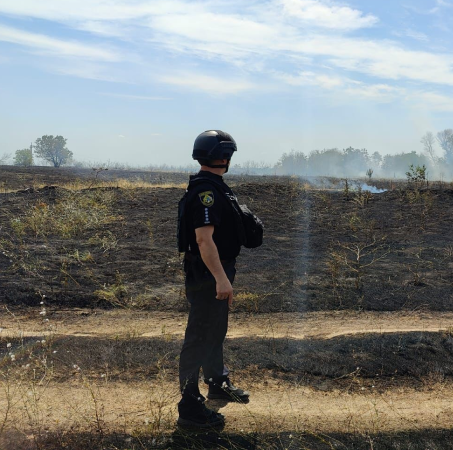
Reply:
x=213, y=243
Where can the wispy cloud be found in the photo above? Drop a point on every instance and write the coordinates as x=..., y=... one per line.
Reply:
x=327, y=14
x=307, y=78
x=413, y=34
x=381, y=93
x=52, y=46
x=439, y=6
x=225, y=29
x=301, y=34
x=84, y=69
x=84, y=10
x=382, y=59
x=444, y=3
x=349, y=89
x=212, y=85
x=104, y=29
x=134, y=97
x=342, y=86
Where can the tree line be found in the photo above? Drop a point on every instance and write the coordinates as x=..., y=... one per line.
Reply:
x=354, y=162
x=349, y=162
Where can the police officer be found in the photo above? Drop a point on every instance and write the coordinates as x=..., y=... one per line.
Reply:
x=213, y=244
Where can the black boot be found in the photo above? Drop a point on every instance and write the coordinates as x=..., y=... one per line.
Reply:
x=194, y=413
x=225, y=390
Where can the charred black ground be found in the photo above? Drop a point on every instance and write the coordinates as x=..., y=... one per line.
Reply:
x=324, y=249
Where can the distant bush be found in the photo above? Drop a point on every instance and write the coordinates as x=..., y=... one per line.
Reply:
x=24, y=157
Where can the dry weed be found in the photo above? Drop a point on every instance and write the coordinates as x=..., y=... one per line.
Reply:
x=70, y=215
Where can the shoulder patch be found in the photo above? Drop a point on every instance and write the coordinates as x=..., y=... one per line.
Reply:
x=206, y=198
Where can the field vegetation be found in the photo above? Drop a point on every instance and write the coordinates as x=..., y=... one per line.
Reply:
x=342, y=326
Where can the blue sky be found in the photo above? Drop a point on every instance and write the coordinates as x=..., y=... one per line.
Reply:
x=136, y=81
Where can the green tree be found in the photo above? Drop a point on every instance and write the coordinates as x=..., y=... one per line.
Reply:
x=24, y=157
x=53, y=149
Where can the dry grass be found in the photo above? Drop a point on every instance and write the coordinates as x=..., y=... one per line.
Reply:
x=68, y=215
x=120, y=392
x=122, y=183
x=247, y=301
x=83, y=184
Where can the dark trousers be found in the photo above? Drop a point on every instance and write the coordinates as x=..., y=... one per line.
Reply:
x=206, y=328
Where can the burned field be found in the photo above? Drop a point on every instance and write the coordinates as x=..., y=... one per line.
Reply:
x=347, y=306
x=324, y=249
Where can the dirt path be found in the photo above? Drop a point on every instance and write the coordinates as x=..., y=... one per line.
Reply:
x=274, y=407
x=158, y=324
x=77, y=401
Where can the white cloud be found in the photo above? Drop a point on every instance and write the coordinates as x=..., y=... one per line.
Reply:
x=251, y=40
x=104, y=29
x=86, y=10
x=51, y=46
x=121, y=136
x=417, y=35
x=108, y=18
x=255, y=41
x=352, y=89
x=380, y=93
x=209, y=84
x=83, y=69
x=207, y=51
x=134, y=97
x=382, y=59
x=328, y=14
x=346, y=89
x=440, y=4
x=216, y=28
x=312, y=79
x=214, y=36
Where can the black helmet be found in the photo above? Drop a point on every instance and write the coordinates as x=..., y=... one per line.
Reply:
x=213, y=144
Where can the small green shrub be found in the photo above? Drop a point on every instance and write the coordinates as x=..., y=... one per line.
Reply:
x=416, y=174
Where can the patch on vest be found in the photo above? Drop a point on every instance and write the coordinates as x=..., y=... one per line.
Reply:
x=207, y=198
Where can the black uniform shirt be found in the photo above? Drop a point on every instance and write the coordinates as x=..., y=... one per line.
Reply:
x=207, y=205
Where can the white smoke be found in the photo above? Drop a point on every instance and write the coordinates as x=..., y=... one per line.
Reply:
x=372, y=189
